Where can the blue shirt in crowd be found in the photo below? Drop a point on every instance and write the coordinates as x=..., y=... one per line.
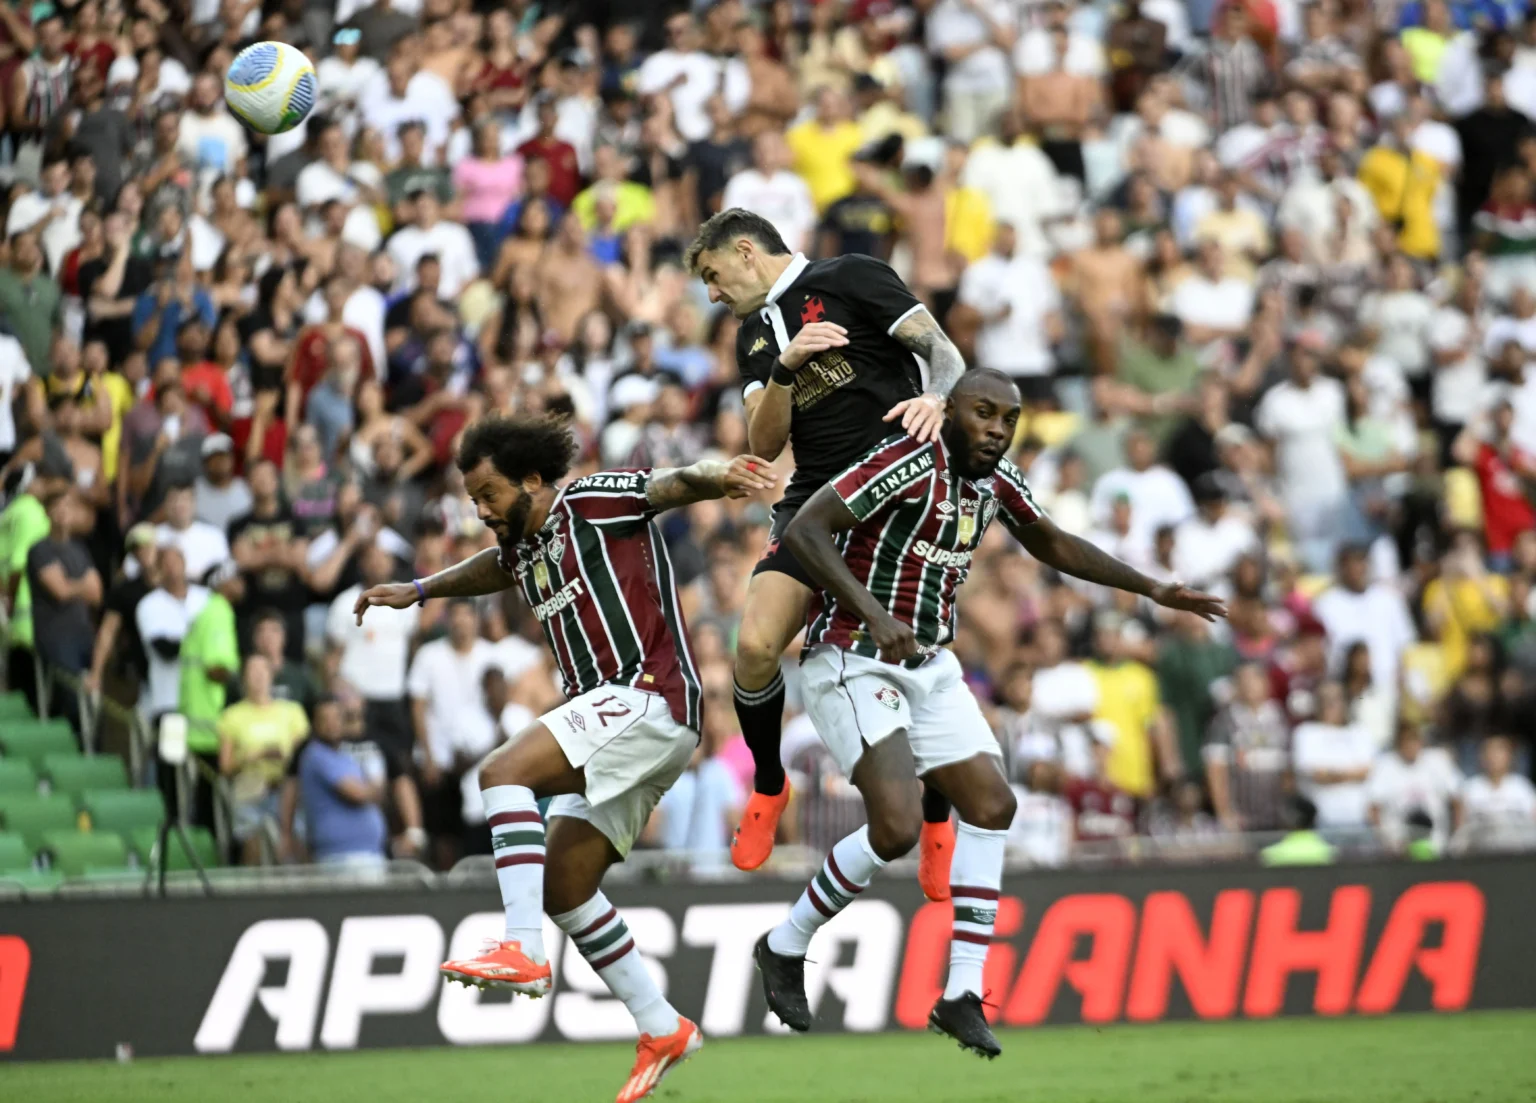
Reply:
x=337, y=827
x=171, y=318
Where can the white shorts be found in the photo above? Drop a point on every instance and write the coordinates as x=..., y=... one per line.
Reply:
x=856, y=701
x=632, y=751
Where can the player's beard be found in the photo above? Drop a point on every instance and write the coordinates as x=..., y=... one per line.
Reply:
x=514, y=522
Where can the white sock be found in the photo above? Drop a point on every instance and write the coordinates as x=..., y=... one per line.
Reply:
x=975, y=876
x=517, y=838
x=847, y=871
x=603, y=939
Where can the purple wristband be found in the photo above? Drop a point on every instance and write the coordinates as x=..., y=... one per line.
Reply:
x=416, y=582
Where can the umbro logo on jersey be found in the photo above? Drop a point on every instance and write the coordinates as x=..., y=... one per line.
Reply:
x=814, y=311
x=888, y=697
x=758, y=346
x=946, y=507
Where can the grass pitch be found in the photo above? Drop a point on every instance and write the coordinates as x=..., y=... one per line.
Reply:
x=1480, y=1058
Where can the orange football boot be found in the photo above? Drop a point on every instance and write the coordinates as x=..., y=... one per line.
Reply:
x=655, y=1057
x=935, y=849
x=759, y=824
x=500, y=965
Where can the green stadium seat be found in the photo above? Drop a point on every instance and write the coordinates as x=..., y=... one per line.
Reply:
x=15, y=854
x=78, y=852
x=73, y=774
x=35, y=740
x=17, y=776
x=142, y=842
x=123, y=810
x=13, y=706
x=31, y=815
x=32, y=881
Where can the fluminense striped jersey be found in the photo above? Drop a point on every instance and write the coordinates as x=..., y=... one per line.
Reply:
x=919, y=525
x=598, y=579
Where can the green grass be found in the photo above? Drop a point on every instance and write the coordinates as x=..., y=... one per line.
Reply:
x=1486, y=1058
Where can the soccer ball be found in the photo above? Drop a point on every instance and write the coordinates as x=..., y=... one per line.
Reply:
x=271, y=87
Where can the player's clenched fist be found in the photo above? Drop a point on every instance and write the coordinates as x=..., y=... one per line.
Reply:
x=746, y=475
x=391, y=595
x=813, y=337
x=896, y=641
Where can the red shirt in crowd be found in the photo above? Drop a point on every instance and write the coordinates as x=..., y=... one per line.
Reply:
x=1099, y=810
x=564, y=174
x=207, y=385
x=1506, y=513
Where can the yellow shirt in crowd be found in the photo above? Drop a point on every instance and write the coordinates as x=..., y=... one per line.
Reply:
x=1403, y=188
x=120, y=396
x=1461, y=609
x=824, y=158
x=1129, y=702
x=273, y=729
x=968, y=226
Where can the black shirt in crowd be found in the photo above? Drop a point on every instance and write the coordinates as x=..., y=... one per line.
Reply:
x=62, y=629
x=278, y=588
x=841, y=396
x=123, y=599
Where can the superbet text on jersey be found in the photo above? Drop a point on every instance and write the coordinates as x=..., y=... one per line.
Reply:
x=842, y=395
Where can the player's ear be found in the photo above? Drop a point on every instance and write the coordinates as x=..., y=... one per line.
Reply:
x=532, y=482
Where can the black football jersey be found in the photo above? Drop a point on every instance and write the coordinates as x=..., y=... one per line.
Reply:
x=841, y=396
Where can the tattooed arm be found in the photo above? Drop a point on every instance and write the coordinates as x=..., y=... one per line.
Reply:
x=923, y=416
x=1077, y=557
x=672, y=487
x=479, y=574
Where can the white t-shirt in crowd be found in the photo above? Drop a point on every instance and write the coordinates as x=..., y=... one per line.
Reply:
x=1402, y=319
x=703, y=76
x=1302, y=423
x=1457, y=390
x=1378, y=616
x=1016, y=344
x=1041, y=828
x=427, y=100
x=202, y=545
x=343, y=83
x=215, y=141
x=953, y=23
x=513, y=719
x=450, y=684
x=1158, y=497
x=161, y=616
x=453, y=247
x=783, y=199
x=14, y=373
x=1203, y=553
x=373, y=655
x=1218, y=304
x=696, y=812
x=516, y=656
x=1427, y=784
x=365, y=312
x=1023, y=188
x=1316, y=747
x=1504, y=811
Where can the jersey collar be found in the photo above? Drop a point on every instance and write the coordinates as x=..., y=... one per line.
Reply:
x=786, y=279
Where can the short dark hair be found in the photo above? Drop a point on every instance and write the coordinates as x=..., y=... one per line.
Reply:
x=729, y=224
x=520, y=446
x=976, y=377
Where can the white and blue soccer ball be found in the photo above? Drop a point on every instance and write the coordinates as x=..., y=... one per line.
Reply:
x=270, y=87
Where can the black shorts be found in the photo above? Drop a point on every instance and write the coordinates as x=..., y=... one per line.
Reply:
x=778, y=558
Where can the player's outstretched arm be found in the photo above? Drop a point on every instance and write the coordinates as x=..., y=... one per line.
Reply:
x=671, y=487
x=809, y=538
x=922, y=417
x=1077, y=557
x=479, y=574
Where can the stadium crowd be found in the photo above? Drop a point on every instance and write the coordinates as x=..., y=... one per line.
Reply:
x=1265, y=273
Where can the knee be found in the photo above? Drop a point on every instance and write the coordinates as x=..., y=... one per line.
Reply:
x=894, y=832
x=993, y=809
x=501, y=768
x=757, y=654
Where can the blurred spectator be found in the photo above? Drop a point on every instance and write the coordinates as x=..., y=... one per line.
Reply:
x=219, y=495
x=372, y=658
x=1302, y=845
x=340, y=798
x=1356, y=609
x=65, y=589
x=1498, y=807
x=1412, y=779
x=1332, y=758
x=256, y=737
x=1247, y=756
x=291, y=681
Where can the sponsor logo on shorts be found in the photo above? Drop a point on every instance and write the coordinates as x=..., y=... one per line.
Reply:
x=576, y=721
x=888, y=697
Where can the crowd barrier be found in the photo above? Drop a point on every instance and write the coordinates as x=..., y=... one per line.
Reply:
x=330, y=970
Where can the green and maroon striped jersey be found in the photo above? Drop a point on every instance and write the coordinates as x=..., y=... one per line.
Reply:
x=919, y=523
x=599, y=580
